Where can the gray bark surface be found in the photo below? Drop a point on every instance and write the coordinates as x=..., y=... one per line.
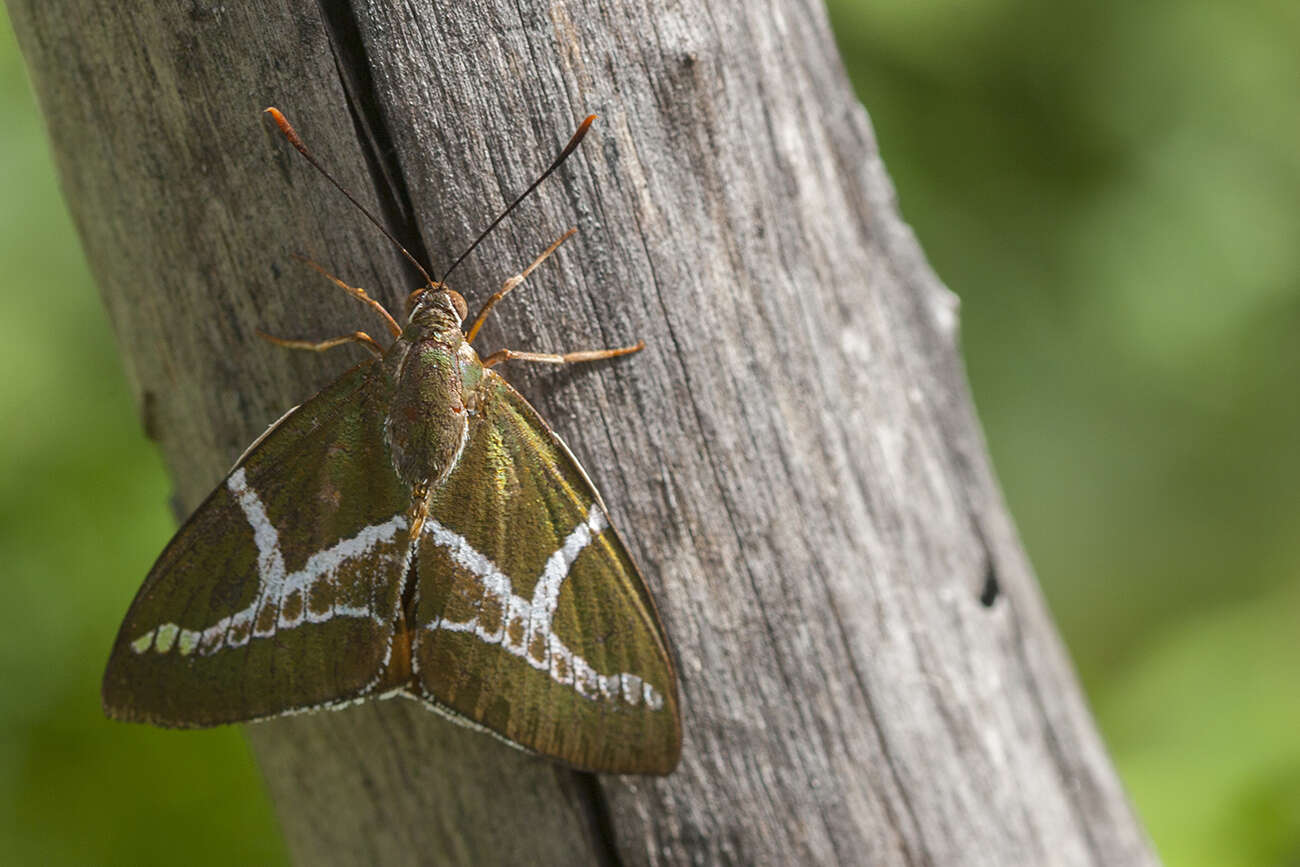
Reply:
x=869, y=674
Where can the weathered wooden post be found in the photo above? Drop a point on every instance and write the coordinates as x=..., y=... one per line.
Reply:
x=868, y=671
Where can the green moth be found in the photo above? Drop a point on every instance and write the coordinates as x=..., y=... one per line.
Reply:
x=415, y=529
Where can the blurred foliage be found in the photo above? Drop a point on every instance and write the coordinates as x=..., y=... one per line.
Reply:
x=1114, y=191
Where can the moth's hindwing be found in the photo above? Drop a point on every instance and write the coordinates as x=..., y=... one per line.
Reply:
x=281, y=592
x=531, y=619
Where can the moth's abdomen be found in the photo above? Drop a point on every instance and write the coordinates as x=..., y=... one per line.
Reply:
x=426, y=422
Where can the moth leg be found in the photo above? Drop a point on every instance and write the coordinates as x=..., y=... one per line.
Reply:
x=361, y=337
x=357, y=293
x=510, y=285
x=567, y=358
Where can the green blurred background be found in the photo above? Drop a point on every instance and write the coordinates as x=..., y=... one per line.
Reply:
x=1114, y=191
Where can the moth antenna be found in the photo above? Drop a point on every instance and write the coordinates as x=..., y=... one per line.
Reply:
x=283, y=123
x=564, y=154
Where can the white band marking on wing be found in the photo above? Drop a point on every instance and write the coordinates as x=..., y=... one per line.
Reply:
x=546, y=594
x=536, y=615
x=275, y=585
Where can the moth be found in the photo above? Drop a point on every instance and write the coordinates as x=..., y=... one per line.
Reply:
x=415, y=529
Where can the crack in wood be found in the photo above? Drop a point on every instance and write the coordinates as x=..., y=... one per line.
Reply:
x=354, y=70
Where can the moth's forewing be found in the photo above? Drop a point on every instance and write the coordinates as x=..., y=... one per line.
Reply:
x=280, y=593
x=531, y=618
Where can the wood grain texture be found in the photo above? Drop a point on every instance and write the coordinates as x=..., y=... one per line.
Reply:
x=794, y=460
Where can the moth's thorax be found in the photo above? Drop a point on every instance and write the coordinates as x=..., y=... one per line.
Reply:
x=426, y=423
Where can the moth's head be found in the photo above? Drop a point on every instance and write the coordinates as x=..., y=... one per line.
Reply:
x=435, y=307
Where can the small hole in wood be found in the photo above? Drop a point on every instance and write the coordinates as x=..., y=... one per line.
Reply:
x=991, y=590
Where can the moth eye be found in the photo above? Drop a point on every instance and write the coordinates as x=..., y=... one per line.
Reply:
x=413, y=299
x=458, y=301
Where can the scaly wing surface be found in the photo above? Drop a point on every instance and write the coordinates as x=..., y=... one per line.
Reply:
x=531, y=619
x=281, y=592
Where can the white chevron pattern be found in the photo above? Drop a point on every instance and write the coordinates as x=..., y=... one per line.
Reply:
x=275, y=585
